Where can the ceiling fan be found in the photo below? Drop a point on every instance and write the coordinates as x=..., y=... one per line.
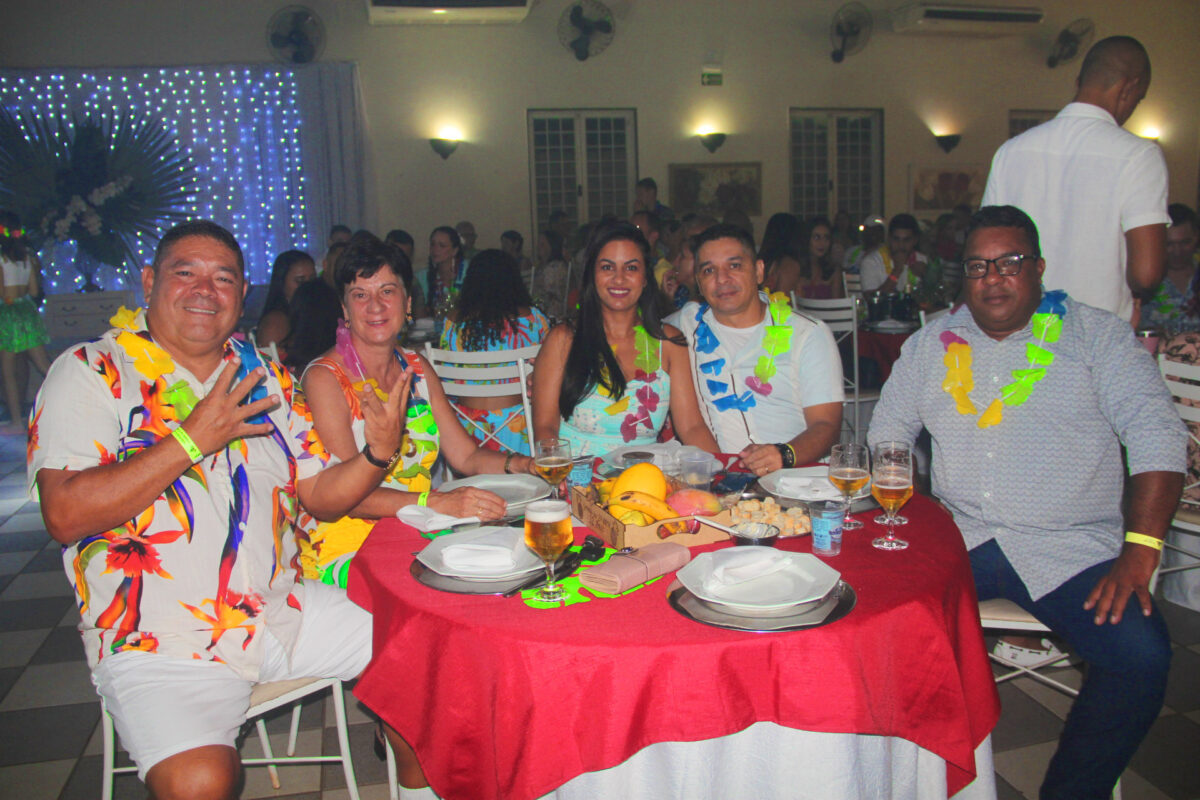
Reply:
x=586, y=28
x=296, y=35
x=849, y=31
x=1072, y=40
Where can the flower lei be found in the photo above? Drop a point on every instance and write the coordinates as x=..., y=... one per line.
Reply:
x=777, y=340
x=646, y=363
x=153, y=362
x=960, y=380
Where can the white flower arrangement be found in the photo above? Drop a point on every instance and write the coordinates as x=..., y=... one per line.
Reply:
x=85, y=212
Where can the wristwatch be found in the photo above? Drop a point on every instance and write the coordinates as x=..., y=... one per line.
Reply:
x=381, y=464
x=787, y=454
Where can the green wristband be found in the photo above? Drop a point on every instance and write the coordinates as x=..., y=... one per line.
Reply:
x=185, y=441
x=423, y=499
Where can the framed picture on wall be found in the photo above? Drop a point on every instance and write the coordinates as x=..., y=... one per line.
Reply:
x=934, y=191
x=716, y=189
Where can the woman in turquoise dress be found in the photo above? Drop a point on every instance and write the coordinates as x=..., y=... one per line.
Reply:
x=610, y=378
x=494, y=312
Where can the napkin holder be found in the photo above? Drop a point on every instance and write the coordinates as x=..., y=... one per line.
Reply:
x=585, y=505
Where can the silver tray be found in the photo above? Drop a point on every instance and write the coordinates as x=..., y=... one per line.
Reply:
x=445, y=583
x=838, y=604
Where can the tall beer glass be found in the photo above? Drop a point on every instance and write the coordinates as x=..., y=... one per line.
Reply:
x=548, y=533
x=552, y=463
x=848, y=472
x=892, y=485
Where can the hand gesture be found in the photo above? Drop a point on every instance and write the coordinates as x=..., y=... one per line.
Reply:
x=1130, y=574
x=762, y=458
x=220, y=418
x=385, y=420
x=469, y=502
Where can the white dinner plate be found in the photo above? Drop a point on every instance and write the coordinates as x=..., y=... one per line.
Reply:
x=893, y=326
x=819, y=477
x=803, y=578
x=517, y=490
x=526, y=560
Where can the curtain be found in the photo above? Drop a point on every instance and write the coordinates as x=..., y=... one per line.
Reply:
x=278, y=150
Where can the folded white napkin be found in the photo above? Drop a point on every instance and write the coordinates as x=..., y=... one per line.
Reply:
x=812, y=488
x=425, y=519
x=744, y=564
x=495, y=552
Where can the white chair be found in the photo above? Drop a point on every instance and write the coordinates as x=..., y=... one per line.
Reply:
x=263, y=698
x=841, y=315
x=453, y=366
x=1183, y=381
x=851, y=284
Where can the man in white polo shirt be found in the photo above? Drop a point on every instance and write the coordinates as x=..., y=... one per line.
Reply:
x=1097, y=193
x=769, y=378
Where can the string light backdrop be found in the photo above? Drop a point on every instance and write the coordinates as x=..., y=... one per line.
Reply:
x=239, y=125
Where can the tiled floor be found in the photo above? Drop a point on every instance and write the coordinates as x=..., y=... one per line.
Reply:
x=50, y=738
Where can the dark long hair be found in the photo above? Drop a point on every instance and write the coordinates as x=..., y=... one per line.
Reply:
x=433, y=279
x=782, y=238
x=314, y=314
x=824, y=266
x=276, y=301
x=12, y=247
x=591, y=361
x=491, y=300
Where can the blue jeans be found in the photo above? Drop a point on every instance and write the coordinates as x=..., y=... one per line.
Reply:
x=1123, y=685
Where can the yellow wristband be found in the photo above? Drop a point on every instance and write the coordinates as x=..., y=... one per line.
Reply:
x=185, y=441
x=423, y=499
x=1141, y=538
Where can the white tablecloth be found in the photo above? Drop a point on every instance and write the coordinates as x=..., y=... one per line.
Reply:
x=770, y=762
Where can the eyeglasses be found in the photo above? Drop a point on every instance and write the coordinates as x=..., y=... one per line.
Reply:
x=1005, y=265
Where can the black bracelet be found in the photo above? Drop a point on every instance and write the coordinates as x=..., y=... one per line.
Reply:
x=372, y=460
x=788, y=454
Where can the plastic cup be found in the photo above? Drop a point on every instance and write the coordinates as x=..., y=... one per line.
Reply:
x=827, y=516
x=695, y=469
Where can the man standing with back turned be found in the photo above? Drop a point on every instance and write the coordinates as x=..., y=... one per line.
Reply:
x=1097, y=193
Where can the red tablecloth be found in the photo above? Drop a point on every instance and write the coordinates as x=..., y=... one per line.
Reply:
x=882, y=348
x=501, y=700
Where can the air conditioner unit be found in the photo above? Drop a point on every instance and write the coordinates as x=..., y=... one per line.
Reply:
x=965, y=20
x=447, y=12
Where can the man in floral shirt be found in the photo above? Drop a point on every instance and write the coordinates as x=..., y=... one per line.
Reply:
x=171, y=464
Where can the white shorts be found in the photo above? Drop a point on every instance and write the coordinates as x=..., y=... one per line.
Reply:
x=165, y=706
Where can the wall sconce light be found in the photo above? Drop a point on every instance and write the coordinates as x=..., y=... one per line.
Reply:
x=948, y=142
x=443, y=147
x=712, y=141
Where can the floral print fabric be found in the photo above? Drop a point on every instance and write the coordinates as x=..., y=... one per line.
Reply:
x=599, y=425
x=326, y=548
x=200, y=572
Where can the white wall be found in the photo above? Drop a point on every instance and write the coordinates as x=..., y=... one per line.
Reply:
x=775, y=55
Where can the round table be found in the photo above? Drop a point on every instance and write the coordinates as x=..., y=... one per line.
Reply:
x=503, y=700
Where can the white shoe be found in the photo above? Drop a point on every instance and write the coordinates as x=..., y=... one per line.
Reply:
x=1027, y=657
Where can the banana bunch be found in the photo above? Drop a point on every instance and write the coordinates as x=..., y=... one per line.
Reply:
x=650, y=507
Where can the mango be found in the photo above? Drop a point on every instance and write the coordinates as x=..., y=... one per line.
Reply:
x=645, y=478
x=694, y=502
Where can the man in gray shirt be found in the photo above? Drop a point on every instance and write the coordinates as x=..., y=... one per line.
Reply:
x=1028, y=397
